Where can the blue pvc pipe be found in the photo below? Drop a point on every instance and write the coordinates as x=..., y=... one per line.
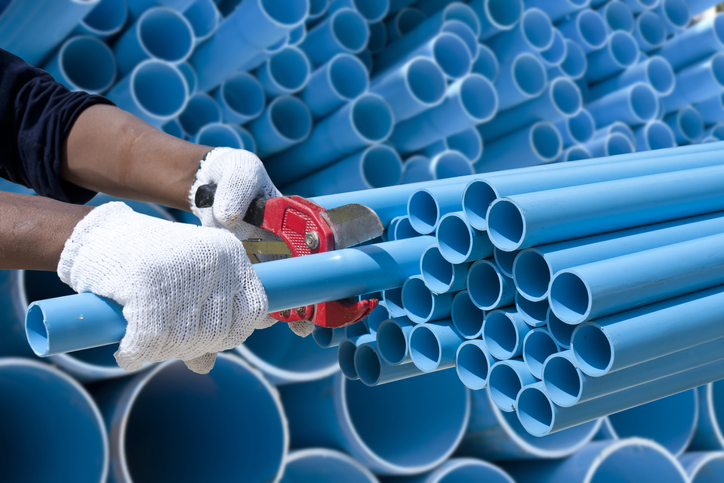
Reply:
x=711, y=110
x=497, y=16
x=576, y=152
x=286, y=72
x=69, y=65
x=31, y=30
x=533, y=33
x=137, y=7
x=326, y=338
x=403, y=22
x=342, y=79
x=421, y=304
x=402, y=229
x=708, y=436
x=459, y=242
x=393, y=337
x=503, y=332
x=696, y=43
x=633, y=459
x=697, y=82
x=533, y=313
x=263, y=55
x=505, y=380
x=460, y=470
x=286, y=121
x=374, y=371
x=537, y=144
x=561, y=99
x=201, y=109
x=618, y=16
x=427, y=206
x=393, y=301
x=297, y=36
x=154, y=91
x=472, y=363
x=558, y=9
x=611, y=145
x=654, y=135
x=139, y=410
x=417, y=169
x=559, y=330
x=344, y=31
x=620, y=53
x=346, y=351
x=554, y=55
x=675, y=14
x=371, y=10
x=634, y=104
x=190, y=75
x=464, y=33
x=253, y=26
x=412, y=88
x=538, y=345
x=204, y=18
x=467, y=142
x=218, y=134
x=520, y=80
x=160, y=33
x=433, y=345
x=488, y=288
x=687, y=125
x=716, y=131
x=649, y=31
x=640, y=6
x=702, y=466
x=241, y=98
x=439, y=274
x=304, y=465
x=42, y=403
x=247, y=140
x=375, y=167
x=343, y=415
x=574, y=65
x=655, y=71
x=106, y=19
x=496, y=435
x=577, y=129
x=587, y=28
x=486, y=64
x=366, y=120
x=466, y=317
x=449, y=164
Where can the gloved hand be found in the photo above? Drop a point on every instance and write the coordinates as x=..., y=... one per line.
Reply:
x=240, y=178
x=187, y=291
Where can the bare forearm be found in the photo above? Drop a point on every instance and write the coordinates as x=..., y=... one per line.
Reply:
x=112, y=151
x=33, y=230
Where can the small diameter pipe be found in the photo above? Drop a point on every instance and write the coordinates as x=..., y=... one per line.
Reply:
x=620, y=53
x=469, y=143
x=160, y=33
x=140, y=409
x=687, y=125
x=394, y=445
x=562, y=99
x=286, y=72
x=458, y=470
x=702, y=466
x=497, y=16
x=539, y=143
x=466, y=317
x=342, y=79
x=326, y=338
x=402, y=229
x=439, y=274
x=633, y=459
x=574, y=65
x=538, y=345
x=285, y=122
x=534, y=33
x=378, y=314
x=489, y=288
x=611, y=145
x=505, y=380
x=41, y=402
x=433, y=345
x=393, y=336
x=649, y=31
x=712, y=109
x=634, y=104
x=560, y=9
x=459, y=242
x=696, y=43
x=375, y=167
x=344, y=31
x=578, y=129
x=655, y=71
x=190, y=75
x=486, y=64
x=654, y=135
x=421, y=304
x=559, y=330
x=427, y=206
x=697, y=82
x=472, y=363
x=393, y=301
x=218, y=134
x=412, y=88
x=345, y=354
x=504, y=260
x=618, y=16
x=587, y=28
x=556, y=53
x=708, y=436
x=305, y=464
x=241, y=98
x=201, y=109
x=371, y=10
x=403, y=22
x=533, y=313
x=503, y=332
x=599, y=349
x=496, y=435
x=253, y=26
x=106, y=19
x=576, y=152
x=449, y=164
x=204, y=18
x=675, y=14
x=365, y=121
x=595, y=290
x=263, y=55
x=469, y=101
x=69, y=65
x=374, y=371
x=154, y=91
x=520, y=80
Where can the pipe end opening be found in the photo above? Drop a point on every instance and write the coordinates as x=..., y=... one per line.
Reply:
x=477, y=197
x=562, y=381
x=391, y=343
x=593, y=350
x=472, y=365
x=36, y=330
x=535, y=411
x=500, y=335
x=506, y=225
x=367, y=364
x=425, y=349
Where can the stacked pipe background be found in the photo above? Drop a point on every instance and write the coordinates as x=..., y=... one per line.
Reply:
x=356, y=94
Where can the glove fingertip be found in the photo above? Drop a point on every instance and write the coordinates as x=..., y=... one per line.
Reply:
x=302, y=329
x=202, y=364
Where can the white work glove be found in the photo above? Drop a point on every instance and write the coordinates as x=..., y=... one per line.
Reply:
x=187, y=291
x=240, y=178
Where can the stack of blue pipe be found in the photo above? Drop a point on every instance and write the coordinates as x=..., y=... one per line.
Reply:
x=346, y=95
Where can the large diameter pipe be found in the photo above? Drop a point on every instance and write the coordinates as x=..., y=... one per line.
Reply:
x=380, y=267
x=518, y=221
x=42, y=403
x=69, y=65
x=139, y=411
x=251, y=27
x=305, y=465
x=344, y=415
x=619, y=341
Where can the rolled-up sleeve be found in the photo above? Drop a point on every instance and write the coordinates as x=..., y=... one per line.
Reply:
x=36, y=116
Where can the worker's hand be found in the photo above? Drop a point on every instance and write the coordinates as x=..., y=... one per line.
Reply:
x=187, y=291
x=240, y=178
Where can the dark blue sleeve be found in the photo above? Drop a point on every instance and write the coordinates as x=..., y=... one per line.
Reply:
x=36, y=115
